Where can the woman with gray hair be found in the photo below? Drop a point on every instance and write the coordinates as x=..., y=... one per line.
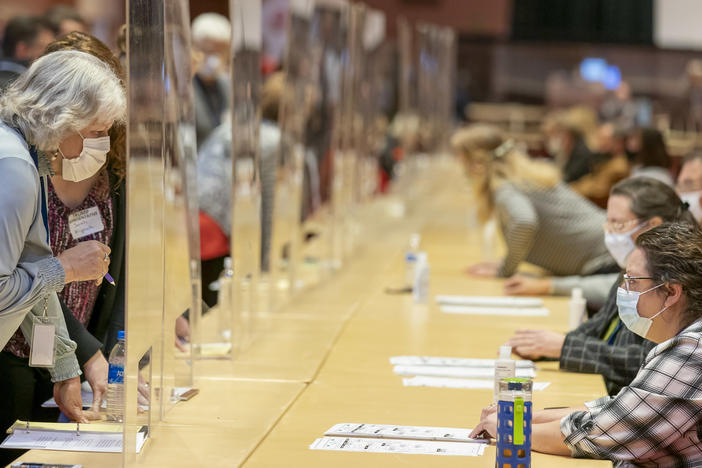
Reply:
x=52, y=121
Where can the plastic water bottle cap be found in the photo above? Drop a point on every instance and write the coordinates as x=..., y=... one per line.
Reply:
x=576, y=293
x=415, y=239
x=228, y=263
x=120, y=335
x=505, y=352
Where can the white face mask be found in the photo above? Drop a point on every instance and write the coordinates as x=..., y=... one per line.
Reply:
x=210, y=68
x=89, y=162
x=693, y=199
x=621, y=245
x=627, y=302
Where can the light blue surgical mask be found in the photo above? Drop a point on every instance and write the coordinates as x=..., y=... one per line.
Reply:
x=627, y=302
x=620, y=245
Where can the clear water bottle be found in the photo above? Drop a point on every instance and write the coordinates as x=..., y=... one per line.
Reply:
x=411, y=259
x=420, y=288
x=115, y=381
x=225, y=302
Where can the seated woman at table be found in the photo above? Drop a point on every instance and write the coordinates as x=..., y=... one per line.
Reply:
x=654, y=420
x=602, y=345
x=543, y=221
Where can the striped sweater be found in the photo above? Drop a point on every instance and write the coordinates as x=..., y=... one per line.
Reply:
x=555, y=229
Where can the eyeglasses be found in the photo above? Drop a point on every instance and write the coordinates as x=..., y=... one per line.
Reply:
x=629, y=281
x=621, y=227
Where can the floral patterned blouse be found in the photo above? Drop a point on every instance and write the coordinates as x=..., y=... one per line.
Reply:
x=79, y=296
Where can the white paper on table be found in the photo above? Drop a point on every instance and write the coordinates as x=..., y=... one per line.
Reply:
x=87, y=397
x=390, y=431
x=490, y=301
x=416, y=447
x=451, y=362
x=466, y=372
x=47, y=439
x=448, y=382
x=481, y=310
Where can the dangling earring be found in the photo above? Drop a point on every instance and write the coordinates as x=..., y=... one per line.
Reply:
x=54, y=156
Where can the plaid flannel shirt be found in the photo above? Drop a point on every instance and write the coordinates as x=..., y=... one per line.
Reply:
x=585, y=351
x=653, y=422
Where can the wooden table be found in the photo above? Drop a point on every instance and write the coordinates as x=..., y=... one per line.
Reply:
x=322, y=359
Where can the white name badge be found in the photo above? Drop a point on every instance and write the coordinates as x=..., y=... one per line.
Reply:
x=43, y=342
x=85, y=222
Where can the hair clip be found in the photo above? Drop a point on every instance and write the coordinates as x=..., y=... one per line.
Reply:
x=504, y=148
x=685, y=206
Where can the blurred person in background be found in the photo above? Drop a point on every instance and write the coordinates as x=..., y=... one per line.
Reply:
x=567, y=142
x=619, y=108
x=24, y=40
x=609, y=165
x=63, y=19
x=689, y=185
x=543, y=221
x=211, y=35
x=648, y=155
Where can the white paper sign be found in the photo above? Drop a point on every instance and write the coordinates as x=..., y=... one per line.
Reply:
x=490, y=301
x=451, y=362
x=415, y=447
x=448, y=382
x=506, y=311
x=466, y=372
x=85, y=222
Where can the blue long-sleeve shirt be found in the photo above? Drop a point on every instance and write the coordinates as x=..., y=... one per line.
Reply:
x=30, y=275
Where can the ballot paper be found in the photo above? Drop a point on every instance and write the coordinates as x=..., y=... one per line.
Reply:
x=414, y=447
x=465, y=372
x=490, y=301
x=451, y=362
x=505, y=311
x=66, y=436
x=448, y=382
x=390, y=431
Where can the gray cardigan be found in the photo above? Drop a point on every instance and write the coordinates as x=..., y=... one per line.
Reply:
x=29, y=273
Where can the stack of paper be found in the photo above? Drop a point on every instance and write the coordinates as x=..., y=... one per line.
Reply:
x=105, y=438
x=452, y=372
x=492, y=305
x=385, y=438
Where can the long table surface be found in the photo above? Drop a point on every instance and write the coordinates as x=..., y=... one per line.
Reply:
x=322, y=359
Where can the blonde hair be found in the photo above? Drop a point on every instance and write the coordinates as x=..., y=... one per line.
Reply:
x=486, y=146
x=62, y=92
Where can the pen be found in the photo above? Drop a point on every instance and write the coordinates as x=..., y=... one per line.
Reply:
x=109, y=279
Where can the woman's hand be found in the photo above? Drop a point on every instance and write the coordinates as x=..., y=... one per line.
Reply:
x=89, y=260
x=484, y=269
x=521, y=285
x=534, y=344
x=488, y=424
x=96, y=370
x=69, y=400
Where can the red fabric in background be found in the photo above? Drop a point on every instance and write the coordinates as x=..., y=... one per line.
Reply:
x=214, y=242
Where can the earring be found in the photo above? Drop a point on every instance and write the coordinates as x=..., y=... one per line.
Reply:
x=54, y=156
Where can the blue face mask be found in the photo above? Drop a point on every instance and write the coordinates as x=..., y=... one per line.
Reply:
x=627, y=302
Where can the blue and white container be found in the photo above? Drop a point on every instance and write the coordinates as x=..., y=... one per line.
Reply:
x=514, y=411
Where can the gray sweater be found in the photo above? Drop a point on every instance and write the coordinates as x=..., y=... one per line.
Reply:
x=555, y=229
x=30, y=275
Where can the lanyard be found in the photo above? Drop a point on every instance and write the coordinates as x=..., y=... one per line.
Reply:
x=610, y=341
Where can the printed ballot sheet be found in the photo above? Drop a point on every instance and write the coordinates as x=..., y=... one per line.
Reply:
x=390, y=431
x=490, y=301
x=413, y=447
x=462, y=372
x=448, y=382
x=503, y=311
x=107, y=442
x=451, y=362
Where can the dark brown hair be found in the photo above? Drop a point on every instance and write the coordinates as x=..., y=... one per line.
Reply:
x=650, y=197
x=116, y=158
x=674, y=255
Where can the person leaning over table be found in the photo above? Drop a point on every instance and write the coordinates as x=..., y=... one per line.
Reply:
x=654, y=421
x=93, y=313
x=61, y=95
x=602, y=345
x=543, y=221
